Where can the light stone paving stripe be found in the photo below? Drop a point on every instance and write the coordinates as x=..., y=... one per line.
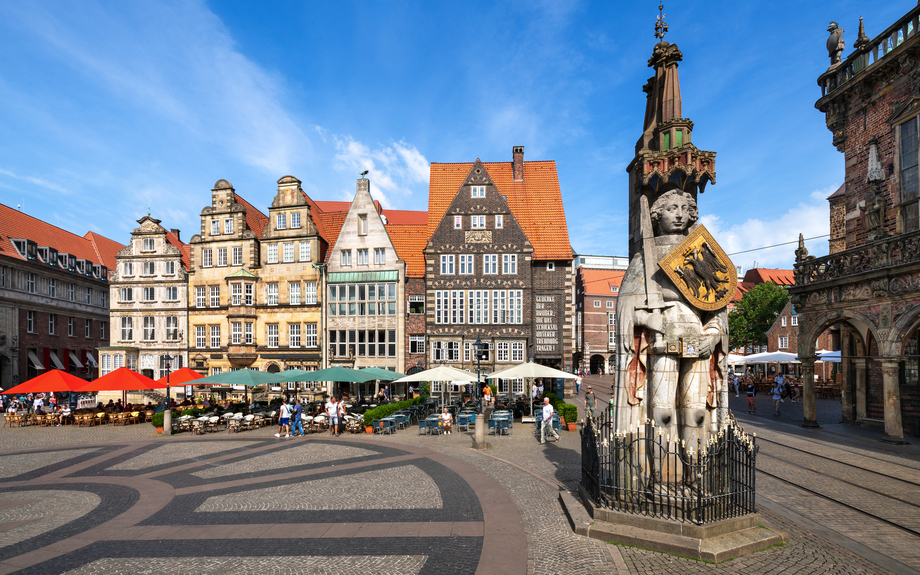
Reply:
x=179, y=452
x=300, y=455
x=44, y=510
x=13, y=465
x=205, y=565
x=407, y=487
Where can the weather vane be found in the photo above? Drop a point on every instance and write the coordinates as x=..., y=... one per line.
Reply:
x=661, y=27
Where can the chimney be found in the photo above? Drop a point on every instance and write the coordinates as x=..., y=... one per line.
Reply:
x=175, y=232
x=517, y=164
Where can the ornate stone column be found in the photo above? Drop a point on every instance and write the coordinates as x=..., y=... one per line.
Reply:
x=891, y=371
x=859, y=387
x=808, y=393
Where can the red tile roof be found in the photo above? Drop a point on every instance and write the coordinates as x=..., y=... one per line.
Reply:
x=536, y=202
x=600, y=282
x=410, y=241
x=184, y=248
x=255, y=219
x=333, y=206
x=105, y=248
x=18, y=225
x=407, y=217
x=760, y=275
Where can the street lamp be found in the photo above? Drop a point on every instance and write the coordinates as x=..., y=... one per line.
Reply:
x=479, y=354
x=167, y=413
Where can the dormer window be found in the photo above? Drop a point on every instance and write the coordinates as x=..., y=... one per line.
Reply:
x=215, y=227
x=20, y=246
x=62, y=261
x=148, y=245
x=81, y=267
x=478, y=191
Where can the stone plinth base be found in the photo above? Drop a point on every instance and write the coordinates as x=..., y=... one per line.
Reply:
x=715, y=542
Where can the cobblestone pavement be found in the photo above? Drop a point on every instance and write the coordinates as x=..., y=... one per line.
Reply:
x=429, y=502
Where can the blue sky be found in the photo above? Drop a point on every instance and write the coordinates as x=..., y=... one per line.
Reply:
x=109, y=105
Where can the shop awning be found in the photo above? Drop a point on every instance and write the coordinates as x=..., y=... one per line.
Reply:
x=54, y=360
x=91, y=360
x=73, y=358
x=34, y=359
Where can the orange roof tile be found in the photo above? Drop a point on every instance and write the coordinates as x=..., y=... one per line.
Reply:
x=255, y=219
x=330, y=206
x=105, y=248
x=409, y=241
x=18, y=225
x=184, y=248
x=760, y=275
x=536, y=202
x=406, y=217
x=599, y=282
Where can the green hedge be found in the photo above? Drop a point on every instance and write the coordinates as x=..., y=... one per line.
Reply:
x=194, y=412
x=567, y=411
x=385, y=410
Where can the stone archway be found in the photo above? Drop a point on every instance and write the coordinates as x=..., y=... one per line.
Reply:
x=598, y=362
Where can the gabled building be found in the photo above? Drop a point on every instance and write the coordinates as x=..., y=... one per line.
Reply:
x=254, y=293
x=498, y=265
x=148, y=303
x=54, y=298
x=365, y=290
x=596, y=292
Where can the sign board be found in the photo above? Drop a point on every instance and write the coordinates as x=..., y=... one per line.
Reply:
x=547, y=319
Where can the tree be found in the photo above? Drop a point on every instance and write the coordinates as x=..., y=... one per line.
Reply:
x=755, y=314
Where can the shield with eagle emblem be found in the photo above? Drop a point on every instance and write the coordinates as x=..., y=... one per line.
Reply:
x=701, y=271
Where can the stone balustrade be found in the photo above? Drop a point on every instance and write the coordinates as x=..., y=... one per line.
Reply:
x=872, y=53
x=890, y=252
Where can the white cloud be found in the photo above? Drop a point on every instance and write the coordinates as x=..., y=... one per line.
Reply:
x=392, y=167
x=33, y=180
x=179, y=63
x=810, y=218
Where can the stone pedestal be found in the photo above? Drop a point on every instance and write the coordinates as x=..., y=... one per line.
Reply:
x=479, y=434
x=809, y=403
x=892, y=395
x=715, y=542
x=167, y=421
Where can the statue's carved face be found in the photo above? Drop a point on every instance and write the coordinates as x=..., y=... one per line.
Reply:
x=675, y=215
x=673, y=212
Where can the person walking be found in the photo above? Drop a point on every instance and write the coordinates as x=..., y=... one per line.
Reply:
x=751, y=392
x=332, y=411
x=341, y=422
x=547, y=427
x=590, y=403
x=284, y=421
x=298, y=418
x=577, y=384
x=779, y=382
x=777, y=392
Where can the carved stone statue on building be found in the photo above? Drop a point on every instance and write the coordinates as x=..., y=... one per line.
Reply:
x=876, y=205
x=835, y=43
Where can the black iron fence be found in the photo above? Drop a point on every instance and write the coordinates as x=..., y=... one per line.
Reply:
x=646, y=471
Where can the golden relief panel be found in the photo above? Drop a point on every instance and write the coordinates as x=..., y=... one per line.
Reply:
x=702, y=271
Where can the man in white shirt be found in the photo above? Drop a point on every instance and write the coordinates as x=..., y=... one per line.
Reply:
x=446, y=420
x=284, y=422
x=781, y=383
x=332, y=410
x=37, y=404
x=547, y=426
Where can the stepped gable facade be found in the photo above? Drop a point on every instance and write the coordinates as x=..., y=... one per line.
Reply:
x=869, y=285
x=54, y=298
x=148, y=291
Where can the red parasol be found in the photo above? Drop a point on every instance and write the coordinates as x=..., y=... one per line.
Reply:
x=180, y=377
x=53, y=380
x=122, y=379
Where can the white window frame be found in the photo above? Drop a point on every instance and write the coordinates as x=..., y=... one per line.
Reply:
x=288, y=252
x=236, y=333
x=172, y=328
x=271, y=294
x=149, y=328
x=207, y=258
x=228, y=226
x=305, y=251
x=783, y=321
x=237, y=255
x=416, y=342
x=478, y=191
x=467, y=264
x=380, y=256
x=362, y=256
x=271, y=335
x=795, y=320
x=499, y=221
x=214, y=299
x=783, y=342
x=201, y=337
x=309, y=293
x=222, y=257
x=215, y=227
x=271, y=253
x=458, y=222
x=477, y=222
x=490, y=264
x=310, y=335
x=127, y=328
x=294, y=335
x=214, y=339
x=509, y=264
x=150, y=294
x=294, y=293
x=346, y=257
x=295, y=220
x=447, y=265
x=201, y=297
x=280, y=221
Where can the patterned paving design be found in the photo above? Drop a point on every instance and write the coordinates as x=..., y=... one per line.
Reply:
x=300, y=454
x=179, y=452
x=27, y=514
x=351, y=492
x=275, y=565
x=14, y=465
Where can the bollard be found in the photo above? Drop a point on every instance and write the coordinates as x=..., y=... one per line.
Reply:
x=479, y=434
x=167, y=421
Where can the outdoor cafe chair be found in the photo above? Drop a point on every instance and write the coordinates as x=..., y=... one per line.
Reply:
x=248, y=422
x=148, y=415
x=197, y=426
x=504, y=425
x=493, y=426
x=48, y=420
x=434, y=425
x=422, y=427
x=134, y=416
x=212, y=424
x=233, y=425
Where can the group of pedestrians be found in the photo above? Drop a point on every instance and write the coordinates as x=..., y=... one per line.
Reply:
x=290, y=419
x=782, y=388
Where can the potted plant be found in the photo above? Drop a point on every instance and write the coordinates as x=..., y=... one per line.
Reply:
x=157, y=421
